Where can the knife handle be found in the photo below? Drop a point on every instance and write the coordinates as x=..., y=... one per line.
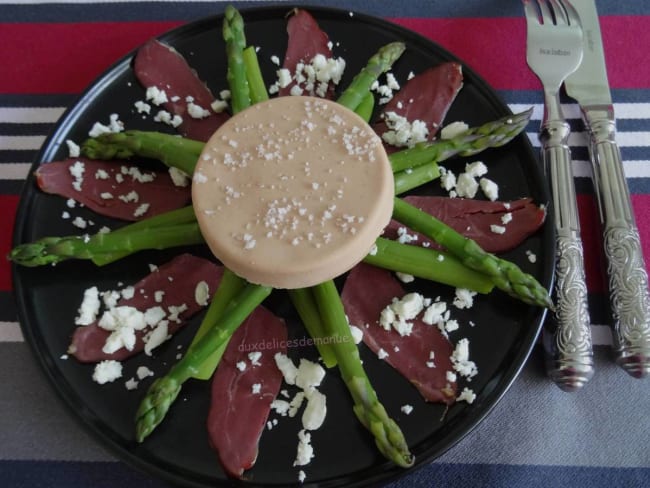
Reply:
x=567, y=334
x=628, y=278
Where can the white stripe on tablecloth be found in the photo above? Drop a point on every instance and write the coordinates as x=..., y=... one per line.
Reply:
x=21, y=143
x=14, y=171
x=624, y=139
x=572, y=110
x=30, y=115
x=10, y=332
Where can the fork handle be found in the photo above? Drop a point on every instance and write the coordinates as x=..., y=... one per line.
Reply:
x=567, y=335
x=628, y=279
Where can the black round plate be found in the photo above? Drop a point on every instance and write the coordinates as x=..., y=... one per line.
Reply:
x=500, y=341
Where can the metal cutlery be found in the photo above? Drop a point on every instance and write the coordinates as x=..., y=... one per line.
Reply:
x=628, y=279
x=554, y=51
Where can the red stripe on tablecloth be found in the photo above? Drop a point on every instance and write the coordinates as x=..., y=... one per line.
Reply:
x=592, y=243
x=8, y=206
x=65, y=58
x=495, y=48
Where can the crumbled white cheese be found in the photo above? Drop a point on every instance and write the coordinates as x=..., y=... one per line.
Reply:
x=476, y=169
x=447, y=179
x=142, y=372
x=286, y=366
x=497, y=229
x=532, y=257
x=464, y=298
x=202, y=293
x=156, y=337
x=404, y=277
x=281, y=407
x=402, y=132
x=107, y=371
x=305, y=450
x=131, y=384
x=74, y=150
x=141, y=209
x=256, y=388
x=435, y=313
x=466, y=185
x=77, y=170
x=489, y=188
x=382, y=354
x=311, y=78
x=254, y=358
x=196, y=111
x=142, y=107
x=357, y=334
x=167, y=118
x=156, y=96
x=309, y=374
x=114, y=125
x=179, y=178
x=89, y=307
x=241, y=366
x=314, y=414
x=461, y=362
x=407, y=409
x=452, y=130
x=467, y=395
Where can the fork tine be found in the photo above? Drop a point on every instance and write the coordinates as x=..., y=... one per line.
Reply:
x=531, y=12
x=559, y=12
x=545, y=10
x=572, y=13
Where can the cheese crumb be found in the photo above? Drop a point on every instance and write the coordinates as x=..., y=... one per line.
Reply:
x=107, y=371
x=305, y=450
x=466, y=395
x=407, y=409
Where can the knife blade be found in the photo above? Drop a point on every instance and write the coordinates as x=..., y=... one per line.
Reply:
x=627, y=275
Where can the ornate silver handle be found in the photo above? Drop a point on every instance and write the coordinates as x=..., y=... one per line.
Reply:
x=628, y=279
x=567, y=334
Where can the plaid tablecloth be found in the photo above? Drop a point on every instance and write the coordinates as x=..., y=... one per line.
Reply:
x=536, y=436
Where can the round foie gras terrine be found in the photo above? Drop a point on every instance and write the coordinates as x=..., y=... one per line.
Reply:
x=292, y=191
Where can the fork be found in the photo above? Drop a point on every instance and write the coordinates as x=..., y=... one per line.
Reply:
x=554, y=51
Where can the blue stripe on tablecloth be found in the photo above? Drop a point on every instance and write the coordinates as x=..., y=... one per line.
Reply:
x=11, y=187
x=112, y=11
x=7, y=307
x=620, y=95
x=59, y=474
x=37, y=100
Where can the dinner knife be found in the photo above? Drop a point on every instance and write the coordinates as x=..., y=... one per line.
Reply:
x=628, y=278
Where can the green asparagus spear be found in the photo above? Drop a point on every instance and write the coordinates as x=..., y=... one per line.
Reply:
x=164, y=390
x=379, y=63
x=103, y=248
x=229, y=287
x=233, y=35
x=366, y=107
x=408, y=179
x=506, y=275
x=428, y=264
x=305, y=305
x=174, y=151
x=258, y=92
x=472, y=141
x=367, y=407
